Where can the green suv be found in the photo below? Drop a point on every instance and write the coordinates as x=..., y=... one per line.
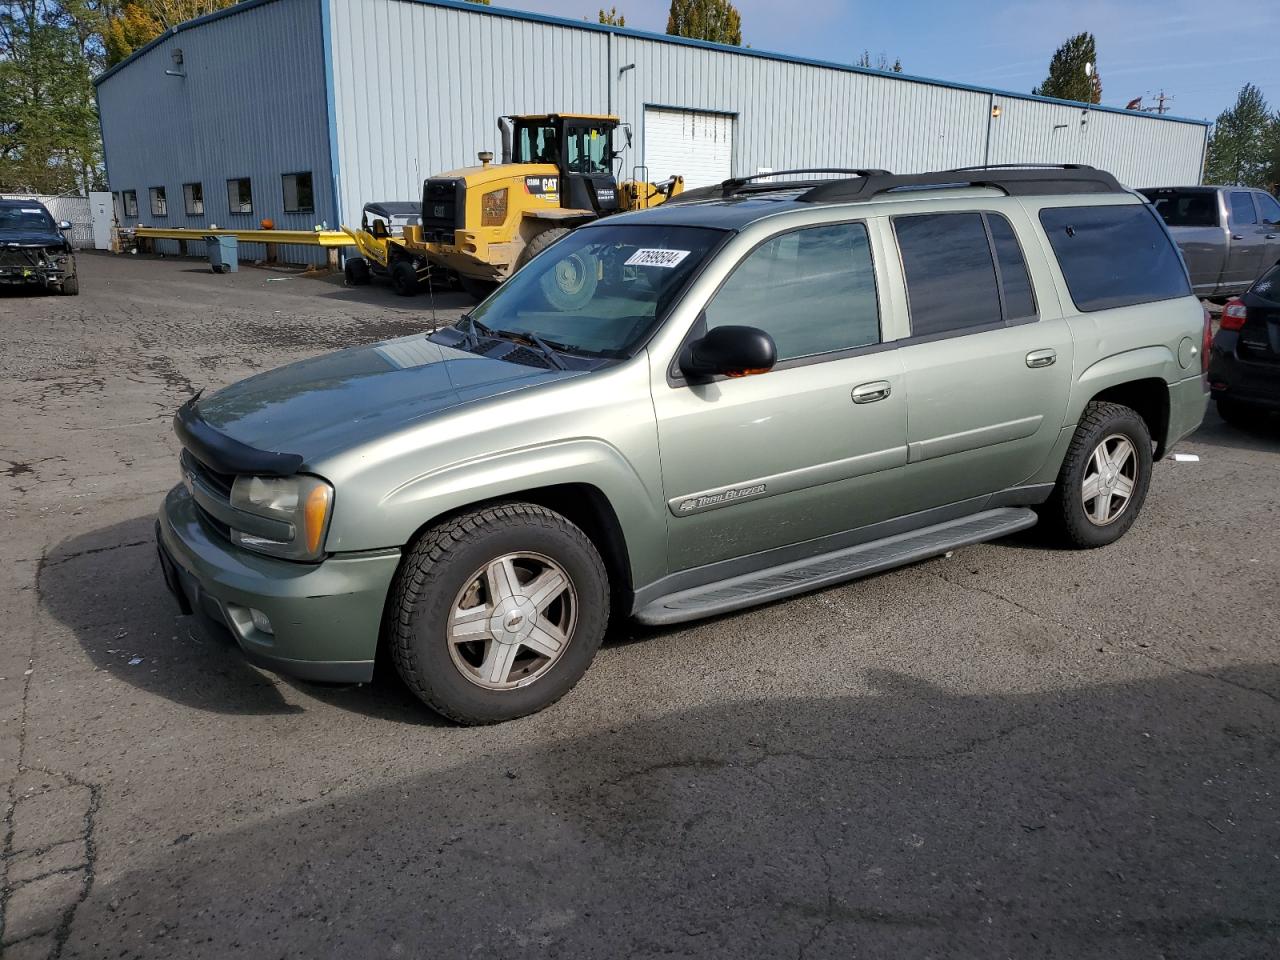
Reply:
x=768, y=388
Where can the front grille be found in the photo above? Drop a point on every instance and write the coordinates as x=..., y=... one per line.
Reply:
x=26, y=256
x=444, y=208
x=213, y=483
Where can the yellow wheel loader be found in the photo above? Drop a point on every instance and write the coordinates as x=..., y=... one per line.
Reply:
x=485, y=222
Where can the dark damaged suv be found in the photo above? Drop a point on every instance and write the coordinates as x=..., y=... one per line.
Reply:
x=34, y=248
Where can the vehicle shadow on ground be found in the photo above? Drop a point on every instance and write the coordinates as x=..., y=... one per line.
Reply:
x=1261, y=434
x=106, y=587
x=1125, y=820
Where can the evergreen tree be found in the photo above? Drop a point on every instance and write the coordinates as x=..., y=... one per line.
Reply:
x=714, y=20
x=1070, y=76
x=612, y=17
x=1245, y=144
x=881, y=62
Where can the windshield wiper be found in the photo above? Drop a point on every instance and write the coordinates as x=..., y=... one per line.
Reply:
x=547, y=349
x=473, y=330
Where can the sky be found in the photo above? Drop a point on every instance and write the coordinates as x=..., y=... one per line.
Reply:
x=1200, y=53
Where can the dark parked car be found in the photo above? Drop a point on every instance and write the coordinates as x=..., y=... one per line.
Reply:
x=1228, y=235
x=1244, y=362
x=34, y=248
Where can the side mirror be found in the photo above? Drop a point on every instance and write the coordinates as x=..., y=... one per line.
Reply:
x=626, y=131
x=64, y=225
x=730, y=351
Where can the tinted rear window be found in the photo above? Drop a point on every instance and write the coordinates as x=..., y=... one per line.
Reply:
x=1185, y=208
x=1114, y=256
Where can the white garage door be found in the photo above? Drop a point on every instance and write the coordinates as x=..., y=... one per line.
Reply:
x=696, y=145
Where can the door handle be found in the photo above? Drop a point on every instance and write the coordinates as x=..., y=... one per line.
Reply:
x=1042, y=358
x=871, y=392
x=1272, y=236
x=1237, y=236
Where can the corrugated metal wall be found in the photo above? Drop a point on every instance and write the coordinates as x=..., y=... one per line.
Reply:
x=447, y=74
x=418, y=86
x=444, y=78
x=1141, y=150
x=252, y=105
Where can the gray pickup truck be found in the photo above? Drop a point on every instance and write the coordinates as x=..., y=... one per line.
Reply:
x=1228, y=235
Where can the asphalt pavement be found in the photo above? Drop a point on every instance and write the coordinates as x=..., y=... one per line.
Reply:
x=1013, y=751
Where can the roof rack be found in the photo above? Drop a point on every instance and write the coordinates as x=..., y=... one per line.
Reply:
x=1014, y=180
x=737, y=186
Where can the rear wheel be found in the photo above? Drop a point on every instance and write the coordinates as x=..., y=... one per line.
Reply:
x=1104, y=477
x=356, y=272
x=497, y=613
x=404, y=279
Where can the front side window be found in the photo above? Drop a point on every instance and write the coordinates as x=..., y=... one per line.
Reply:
x=130, y=200
x=298, y=197
x=159, y=204
x=812, y=290
x=1114, y=256
x=588, y=150
x=600, y=290
x=240, y=195
x=193, y=199
x=951, y=277
x=1242, y=212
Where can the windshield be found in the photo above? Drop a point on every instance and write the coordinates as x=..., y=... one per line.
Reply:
x=600, y=290
x=24, y=218
x=1185, y=208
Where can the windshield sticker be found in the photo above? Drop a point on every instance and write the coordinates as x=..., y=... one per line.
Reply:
x=31, y=210
x=656, y=258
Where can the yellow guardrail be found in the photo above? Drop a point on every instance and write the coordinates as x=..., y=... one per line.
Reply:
x=320, y=238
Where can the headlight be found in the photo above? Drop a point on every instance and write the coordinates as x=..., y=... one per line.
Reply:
x=303, y=502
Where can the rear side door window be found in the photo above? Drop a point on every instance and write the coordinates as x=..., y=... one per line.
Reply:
x=964, y=272
x=812, y=290
x=1115, y=255
x=1242, y=212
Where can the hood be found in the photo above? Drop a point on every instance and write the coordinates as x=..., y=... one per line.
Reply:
x=334, y=402
x=31, y=238
x=481, y=176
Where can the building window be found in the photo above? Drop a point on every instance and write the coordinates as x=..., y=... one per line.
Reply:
x=193, y=199
x=130, y=200
x=298, y=196
x=240, y=195
x=159, y=204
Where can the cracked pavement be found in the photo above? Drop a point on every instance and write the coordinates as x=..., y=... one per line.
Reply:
x=1012, y=751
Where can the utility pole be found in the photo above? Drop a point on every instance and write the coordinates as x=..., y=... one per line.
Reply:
x=1161, y=100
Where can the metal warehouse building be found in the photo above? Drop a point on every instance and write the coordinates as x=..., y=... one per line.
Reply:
x=301, y=111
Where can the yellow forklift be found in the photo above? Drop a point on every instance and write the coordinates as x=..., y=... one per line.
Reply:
x=557, y=172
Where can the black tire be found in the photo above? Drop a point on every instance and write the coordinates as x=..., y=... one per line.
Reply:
x=404, y=279
x=443, y=562
x=573, y=282
x=1065, y=511
x=539, y=243
x=1234, y=412
x=480, y=289
x=70, y=286
x=356, y=272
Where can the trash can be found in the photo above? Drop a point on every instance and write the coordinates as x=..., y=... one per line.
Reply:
x=224, y=253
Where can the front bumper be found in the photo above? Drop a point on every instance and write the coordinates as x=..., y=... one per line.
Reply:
x=325, y=617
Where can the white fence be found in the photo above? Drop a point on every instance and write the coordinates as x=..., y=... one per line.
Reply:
x=66, y=207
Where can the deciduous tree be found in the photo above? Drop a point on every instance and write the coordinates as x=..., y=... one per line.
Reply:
x=612, y=17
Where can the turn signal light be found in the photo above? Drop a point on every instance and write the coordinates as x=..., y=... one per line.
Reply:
x=1233, y=315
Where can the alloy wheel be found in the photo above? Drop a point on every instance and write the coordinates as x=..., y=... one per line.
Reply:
x=1110, y=479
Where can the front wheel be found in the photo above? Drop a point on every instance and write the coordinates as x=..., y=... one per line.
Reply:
x=404, y=278
x=356, y=271
x=497, y=613
x=1104, y=477
x=70, y=286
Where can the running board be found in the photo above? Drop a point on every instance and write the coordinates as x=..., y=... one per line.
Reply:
x=801, y=576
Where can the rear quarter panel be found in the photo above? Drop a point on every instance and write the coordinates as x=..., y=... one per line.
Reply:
x=1121, y=345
